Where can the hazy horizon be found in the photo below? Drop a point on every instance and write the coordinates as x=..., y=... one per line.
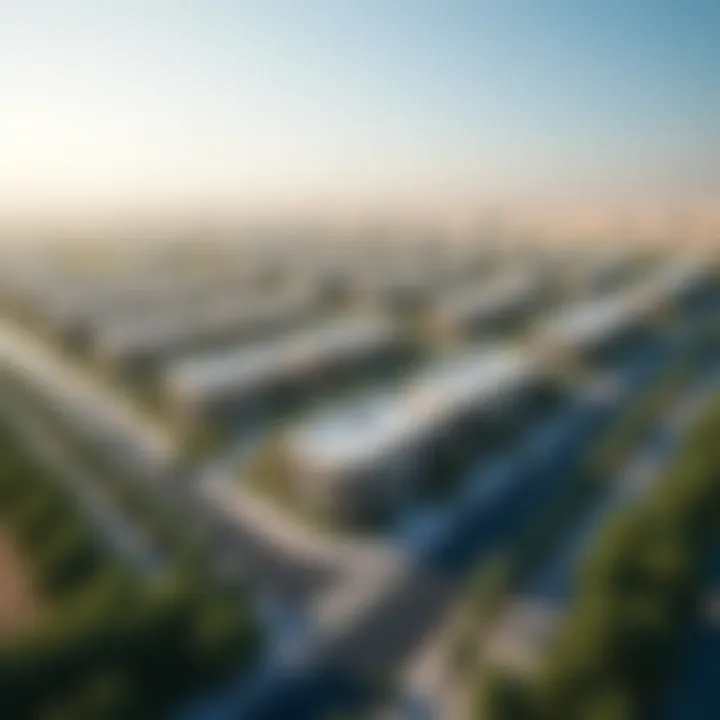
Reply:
x=219, y=109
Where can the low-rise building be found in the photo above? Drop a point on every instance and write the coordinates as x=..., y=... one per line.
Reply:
x=492, y=305
x=363, y=458
x=590, y=329
x=150, y=339
x=243, y=380
x=585, y=331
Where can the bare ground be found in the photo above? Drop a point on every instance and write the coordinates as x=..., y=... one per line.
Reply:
x=20, y=607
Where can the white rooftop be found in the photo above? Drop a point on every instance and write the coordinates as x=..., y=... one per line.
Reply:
x=176, y=324
x=472, y=379
x=348, y=434
x=357, y=432
x=491, y=298
x=218, y=372
x=591, y=322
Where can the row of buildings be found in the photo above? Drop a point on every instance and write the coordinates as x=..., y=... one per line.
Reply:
x=361, y=460
x=364, y=457
x=194, y=294
x=240, y=382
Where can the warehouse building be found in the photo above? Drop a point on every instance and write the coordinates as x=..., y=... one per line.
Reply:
x=593, y=273
x=243, y=381
x=683, y=283
x=147, y=341
x=73, y=313
x=492, y=306
x=592, y=330
x=363, y=459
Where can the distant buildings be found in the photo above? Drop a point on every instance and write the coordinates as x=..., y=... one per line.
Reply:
x=590, y=329
x=236, y=331
x=151, y=338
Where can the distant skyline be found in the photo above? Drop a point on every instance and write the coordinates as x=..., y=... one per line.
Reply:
x=220, y=106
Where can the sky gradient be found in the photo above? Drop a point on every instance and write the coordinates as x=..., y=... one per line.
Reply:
x=219, y=103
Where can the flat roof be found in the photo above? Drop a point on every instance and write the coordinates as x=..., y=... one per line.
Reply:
x=347, y=434
x=167, y=326
x=492, y=297
x=680, y=277
x=355, y=433
x=589, y=322
x=476, y=377
x=217, y=372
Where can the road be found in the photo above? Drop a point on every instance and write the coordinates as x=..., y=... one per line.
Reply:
x=399, y=601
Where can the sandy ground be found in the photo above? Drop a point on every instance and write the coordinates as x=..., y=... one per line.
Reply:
x=19, y=606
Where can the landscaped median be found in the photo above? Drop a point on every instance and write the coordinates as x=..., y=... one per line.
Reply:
x=106, y=644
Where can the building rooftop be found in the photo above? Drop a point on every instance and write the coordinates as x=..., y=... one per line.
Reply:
x=163, y=327
x=217, y=372
x=490, y=298
x=357, y=432
x=591, y=322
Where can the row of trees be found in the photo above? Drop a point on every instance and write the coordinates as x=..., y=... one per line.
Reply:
x=635, y=593
x=112, y=645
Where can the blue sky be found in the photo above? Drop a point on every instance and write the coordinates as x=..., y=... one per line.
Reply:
x=110, y=102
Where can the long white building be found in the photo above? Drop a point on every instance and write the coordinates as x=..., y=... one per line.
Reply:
x=364, y=457
x=590, y=326
x=243, y=379
x=583, y=329
x=152, y=338
x=486, y=306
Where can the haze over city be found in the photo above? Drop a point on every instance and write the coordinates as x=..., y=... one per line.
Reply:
x=578, y=116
